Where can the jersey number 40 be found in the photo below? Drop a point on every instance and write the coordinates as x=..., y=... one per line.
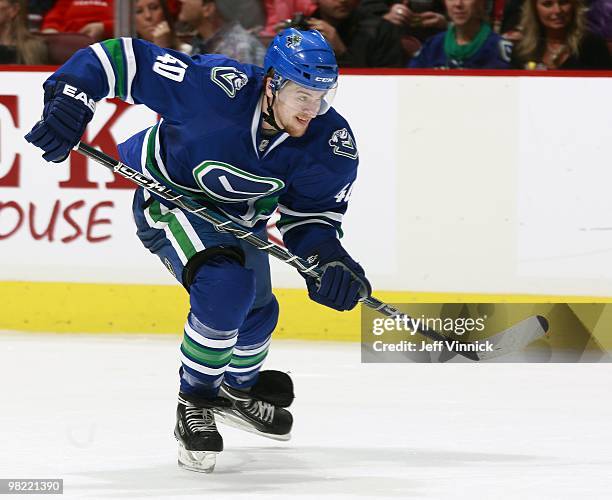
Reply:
x=170, y=67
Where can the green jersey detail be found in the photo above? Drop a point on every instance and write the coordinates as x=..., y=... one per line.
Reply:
x=115, y=49
x=212, y=358
x=175, y=226
x=246, y=361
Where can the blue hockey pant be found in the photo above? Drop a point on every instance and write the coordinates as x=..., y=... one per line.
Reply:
x=232, y=313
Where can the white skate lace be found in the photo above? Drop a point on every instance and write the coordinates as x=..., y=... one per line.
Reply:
x=261, y=410
x=200, y=419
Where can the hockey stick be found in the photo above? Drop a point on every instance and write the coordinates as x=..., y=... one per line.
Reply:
x=522, y=333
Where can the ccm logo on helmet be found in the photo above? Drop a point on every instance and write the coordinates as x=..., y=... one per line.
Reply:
x=71, y=91
x=323, y=79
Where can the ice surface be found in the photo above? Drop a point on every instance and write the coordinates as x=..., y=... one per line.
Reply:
x=98, y=411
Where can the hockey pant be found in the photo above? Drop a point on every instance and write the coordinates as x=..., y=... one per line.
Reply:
x=233, y=311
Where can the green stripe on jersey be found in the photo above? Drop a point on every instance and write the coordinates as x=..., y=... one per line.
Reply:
x=245, y=361
x=175, y=226
x=157, y=174
x=115, y=48
x=212, y=358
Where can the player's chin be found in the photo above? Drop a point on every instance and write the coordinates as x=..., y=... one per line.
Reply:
x=298, y=127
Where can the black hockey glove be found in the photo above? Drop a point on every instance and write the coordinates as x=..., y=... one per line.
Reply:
x=343, y=282
x=67, y=112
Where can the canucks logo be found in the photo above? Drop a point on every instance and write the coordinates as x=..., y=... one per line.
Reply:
x=225, y=183
x=229, y=79
x=293, y=41
x=343, y=144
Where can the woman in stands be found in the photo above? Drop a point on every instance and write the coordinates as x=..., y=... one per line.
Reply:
x=154, y=22
x=555, y=36
x=17, y=45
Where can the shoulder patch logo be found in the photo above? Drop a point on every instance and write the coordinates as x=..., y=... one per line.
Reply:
x=343, y=144
x=294, y=41
x=229, y=79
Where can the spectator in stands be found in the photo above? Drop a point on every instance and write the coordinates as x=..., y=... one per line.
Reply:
x=154, y=22
x=216, y=34
x=36, y=10
x=250, y=14
x=17, y=45
x=469, y=42
x=358, y=39
x=39, y=6
x=555, y=36
x=419, y=18
x=511, y=20
x=600, y=20
x=91, y=18
x=279, y=11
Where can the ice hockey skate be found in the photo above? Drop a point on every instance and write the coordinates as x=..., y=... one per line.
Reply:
x=261, y=410
x=198, y=439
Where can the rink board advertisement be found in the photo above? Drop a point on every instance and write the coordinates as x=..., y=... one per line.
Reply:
x=467, y=185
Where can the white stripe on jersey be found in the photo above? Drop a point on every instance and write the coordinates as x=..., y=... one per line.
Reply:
x=130, y=62
x=186, y=225
x=289, y=227
x=235, y=369
x=330, y=215
x=201, y=368
x=107, y=66
x=212, y=343
x=180, y=216
x=239, y=351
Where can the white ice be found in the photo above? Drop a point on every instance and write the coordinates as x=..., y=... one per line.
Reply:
x=98, y=411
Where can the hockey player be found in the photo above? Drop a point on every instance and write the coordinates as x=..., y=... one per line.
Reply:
x=242, y=140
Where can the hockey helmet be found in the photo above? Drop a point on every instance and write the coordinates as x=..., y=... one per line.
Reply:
x=306, y=59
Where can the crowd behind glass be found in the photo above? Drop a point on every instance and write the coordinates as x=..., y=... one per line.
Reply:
x=456, y=34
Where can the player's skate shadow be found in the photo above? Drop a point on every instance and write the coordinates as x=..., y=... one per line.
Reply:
x=287, y=470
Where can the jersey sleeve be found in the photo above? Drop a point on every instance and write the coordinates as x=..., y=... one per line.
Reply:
x=137, y=72
x=311, y=210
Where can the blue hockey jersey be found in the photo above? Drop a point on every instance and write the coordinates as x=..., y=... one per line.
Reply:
x=208, y=146
x=494, y=54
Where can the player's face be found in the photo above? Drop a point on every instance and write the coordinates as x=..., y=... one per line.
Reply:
x=147, y=15
x=555, y=14
x=295, y=106
x=462, y=12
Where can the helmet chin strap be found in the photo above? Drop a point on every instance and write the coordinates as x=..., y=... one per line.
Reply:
x=268, y=115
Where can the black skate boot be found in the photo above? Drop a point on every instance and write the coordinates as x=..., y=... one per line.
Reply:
x=260, y=410
x=198, y=439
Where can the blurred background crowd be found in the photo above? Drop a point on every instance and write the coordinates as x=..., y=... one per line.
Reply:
x=471, y=34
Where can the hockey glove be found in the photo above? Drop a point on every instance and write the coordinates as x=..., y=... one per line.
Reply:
x=343, y=281
x=67, y=112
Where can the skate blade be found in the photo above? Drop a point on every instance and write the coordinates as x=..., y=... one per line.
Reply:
x=232, y=420
x=197, y=461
